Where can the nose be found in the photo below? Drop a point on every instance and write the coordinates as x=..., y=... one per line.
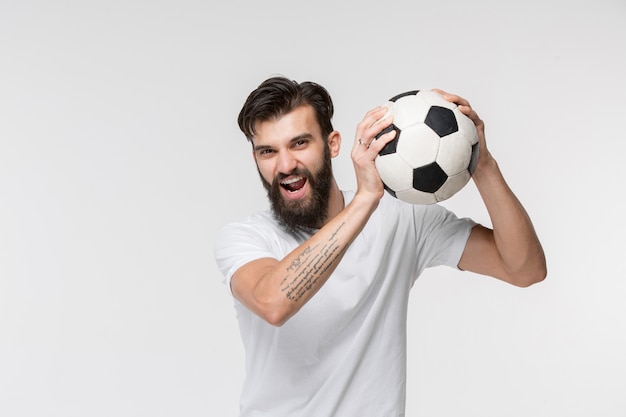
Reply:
x=286, y=162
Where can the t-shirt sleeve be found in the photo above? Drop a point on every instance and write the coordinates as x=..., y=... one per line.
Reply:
x=444, y=234
x=236, y=245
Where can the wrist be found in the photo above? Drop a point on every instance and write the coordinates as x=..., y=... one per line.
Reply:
x=486, y=168
x=364, y=202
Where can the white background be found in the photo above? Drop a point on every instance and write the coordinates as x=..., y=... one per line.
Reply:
x=120, y=158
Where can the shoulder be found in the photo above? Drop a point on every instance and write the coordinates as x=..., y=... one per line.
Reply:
x=237, y=243
x=256, y=236
x=257, y=226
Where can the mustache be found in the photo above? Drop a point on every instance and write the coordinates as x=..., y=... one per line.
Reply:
x=296, y=172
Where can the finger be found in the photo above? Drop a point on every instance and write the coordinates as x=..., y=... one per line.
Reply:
x=471, y=113
x=367, y=120
x=386, y=136
x=374, y=122
x=382, y=123
x=373, y=117
x=453, y=98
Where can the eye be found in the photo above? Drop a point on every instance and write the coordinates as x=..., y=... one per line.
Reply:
x=300, y=143
x=264, y=152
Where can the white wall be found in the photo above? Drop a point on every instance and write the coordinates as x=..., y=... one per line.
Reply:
x=120, y=158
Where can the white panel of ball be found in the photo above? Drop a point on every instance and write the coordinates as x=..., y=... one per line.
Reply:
x=452, y=185
x=454, y=153
x=414, y=196
x=419, y=145
x=412, y=111
x=466, y=126
x=399, y=175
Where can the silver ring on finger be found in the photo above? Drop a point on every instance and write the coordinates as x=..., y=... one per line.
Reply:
x=367, y=145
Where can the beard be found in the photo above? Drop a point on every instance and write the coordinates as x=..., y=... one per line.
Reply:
x=305, y=213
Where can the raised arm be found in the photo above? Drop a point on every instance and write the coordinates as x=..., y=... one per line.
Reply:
x=276, y=289
x=511, y=251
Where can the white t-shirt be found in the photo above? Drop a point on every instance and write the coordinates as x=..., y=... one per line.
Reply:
x=344, y=353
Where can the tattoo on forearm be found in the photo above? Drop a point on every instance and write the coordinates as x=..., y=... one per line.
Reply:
x=310, y=266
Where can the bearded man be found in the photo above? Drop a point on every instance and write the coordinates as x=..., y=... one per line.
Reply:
x=321, y=281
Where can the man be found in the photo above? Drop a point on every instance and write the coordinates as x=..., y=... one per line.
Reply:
x=321, y=282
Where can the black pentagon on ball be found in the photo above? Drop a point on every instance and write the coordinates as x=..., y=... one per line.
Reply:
x=390, y=147
x=429, y=178
x=441, y=120
x=399, y=96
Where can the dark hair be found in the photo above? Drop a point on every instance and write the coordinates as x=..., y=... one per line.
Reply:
x=278, y=96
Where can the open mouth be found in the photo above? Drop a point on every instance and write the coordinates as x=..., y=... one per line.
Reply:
x=293, y=184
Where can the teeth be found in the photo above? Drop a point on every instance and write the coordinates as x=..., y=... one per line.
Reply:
x=291, y=181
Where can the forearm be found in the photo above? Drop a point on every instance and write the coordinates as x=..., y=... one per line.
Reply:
x=287, y=285
x=520, y=252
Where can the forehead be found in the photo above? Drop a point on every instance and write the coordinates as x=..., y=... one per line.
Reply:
x=297, y=122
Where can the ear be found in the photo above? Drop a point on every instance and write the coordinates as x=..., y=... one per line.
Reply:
x=334, y=142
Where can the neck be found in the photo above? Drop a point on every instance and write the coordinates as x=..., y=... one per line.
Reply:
x=336, y=202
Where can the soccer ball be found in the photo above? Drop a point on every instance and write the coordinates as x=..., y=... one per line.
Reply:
x=434, y=153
